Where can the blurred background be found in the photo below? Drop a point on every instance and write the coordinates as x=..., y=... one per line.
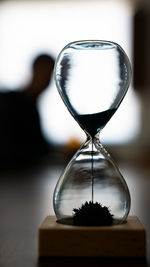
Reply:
x=28, y=28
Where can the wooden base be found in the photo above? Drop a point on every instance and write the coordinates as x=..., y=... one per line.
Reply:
x=125, y=240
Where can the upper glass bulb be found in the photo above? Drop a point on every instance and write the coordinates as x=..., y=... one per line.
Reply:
x=92, y=78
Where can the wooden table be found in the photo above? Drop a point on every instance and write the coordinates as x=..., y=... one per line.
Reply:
x=26, y=199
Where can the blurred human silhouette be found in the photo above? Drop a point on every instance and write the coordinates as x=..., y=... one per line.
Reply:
x=21, y=139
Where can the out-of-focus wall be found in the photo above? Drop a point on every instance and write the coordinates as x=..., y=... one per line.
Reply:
x=141, y=49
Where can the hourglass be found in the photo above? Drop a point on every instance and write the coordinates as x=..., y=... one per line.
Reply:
x=92, y=78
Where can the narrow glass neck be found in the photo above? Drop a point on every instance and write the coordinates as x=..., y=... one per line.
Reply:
x=93, y=144
x=94, y=138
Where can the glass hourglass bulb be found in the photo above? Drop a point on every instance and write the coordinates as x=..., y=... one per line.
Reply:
x=92, y=78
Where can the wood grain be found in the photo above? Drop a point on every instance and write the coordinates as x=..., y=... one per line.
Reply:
x=59, y=240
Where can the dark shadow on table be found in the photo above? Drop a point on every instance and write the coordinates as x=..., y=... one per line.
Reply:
x=88, y=262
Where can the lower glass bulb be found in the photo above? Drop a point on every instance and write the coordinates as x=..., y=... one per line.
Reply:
x=91, y=183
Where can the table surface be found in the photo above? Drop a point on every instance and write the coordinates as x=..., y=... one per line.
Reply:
x=26, y=199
